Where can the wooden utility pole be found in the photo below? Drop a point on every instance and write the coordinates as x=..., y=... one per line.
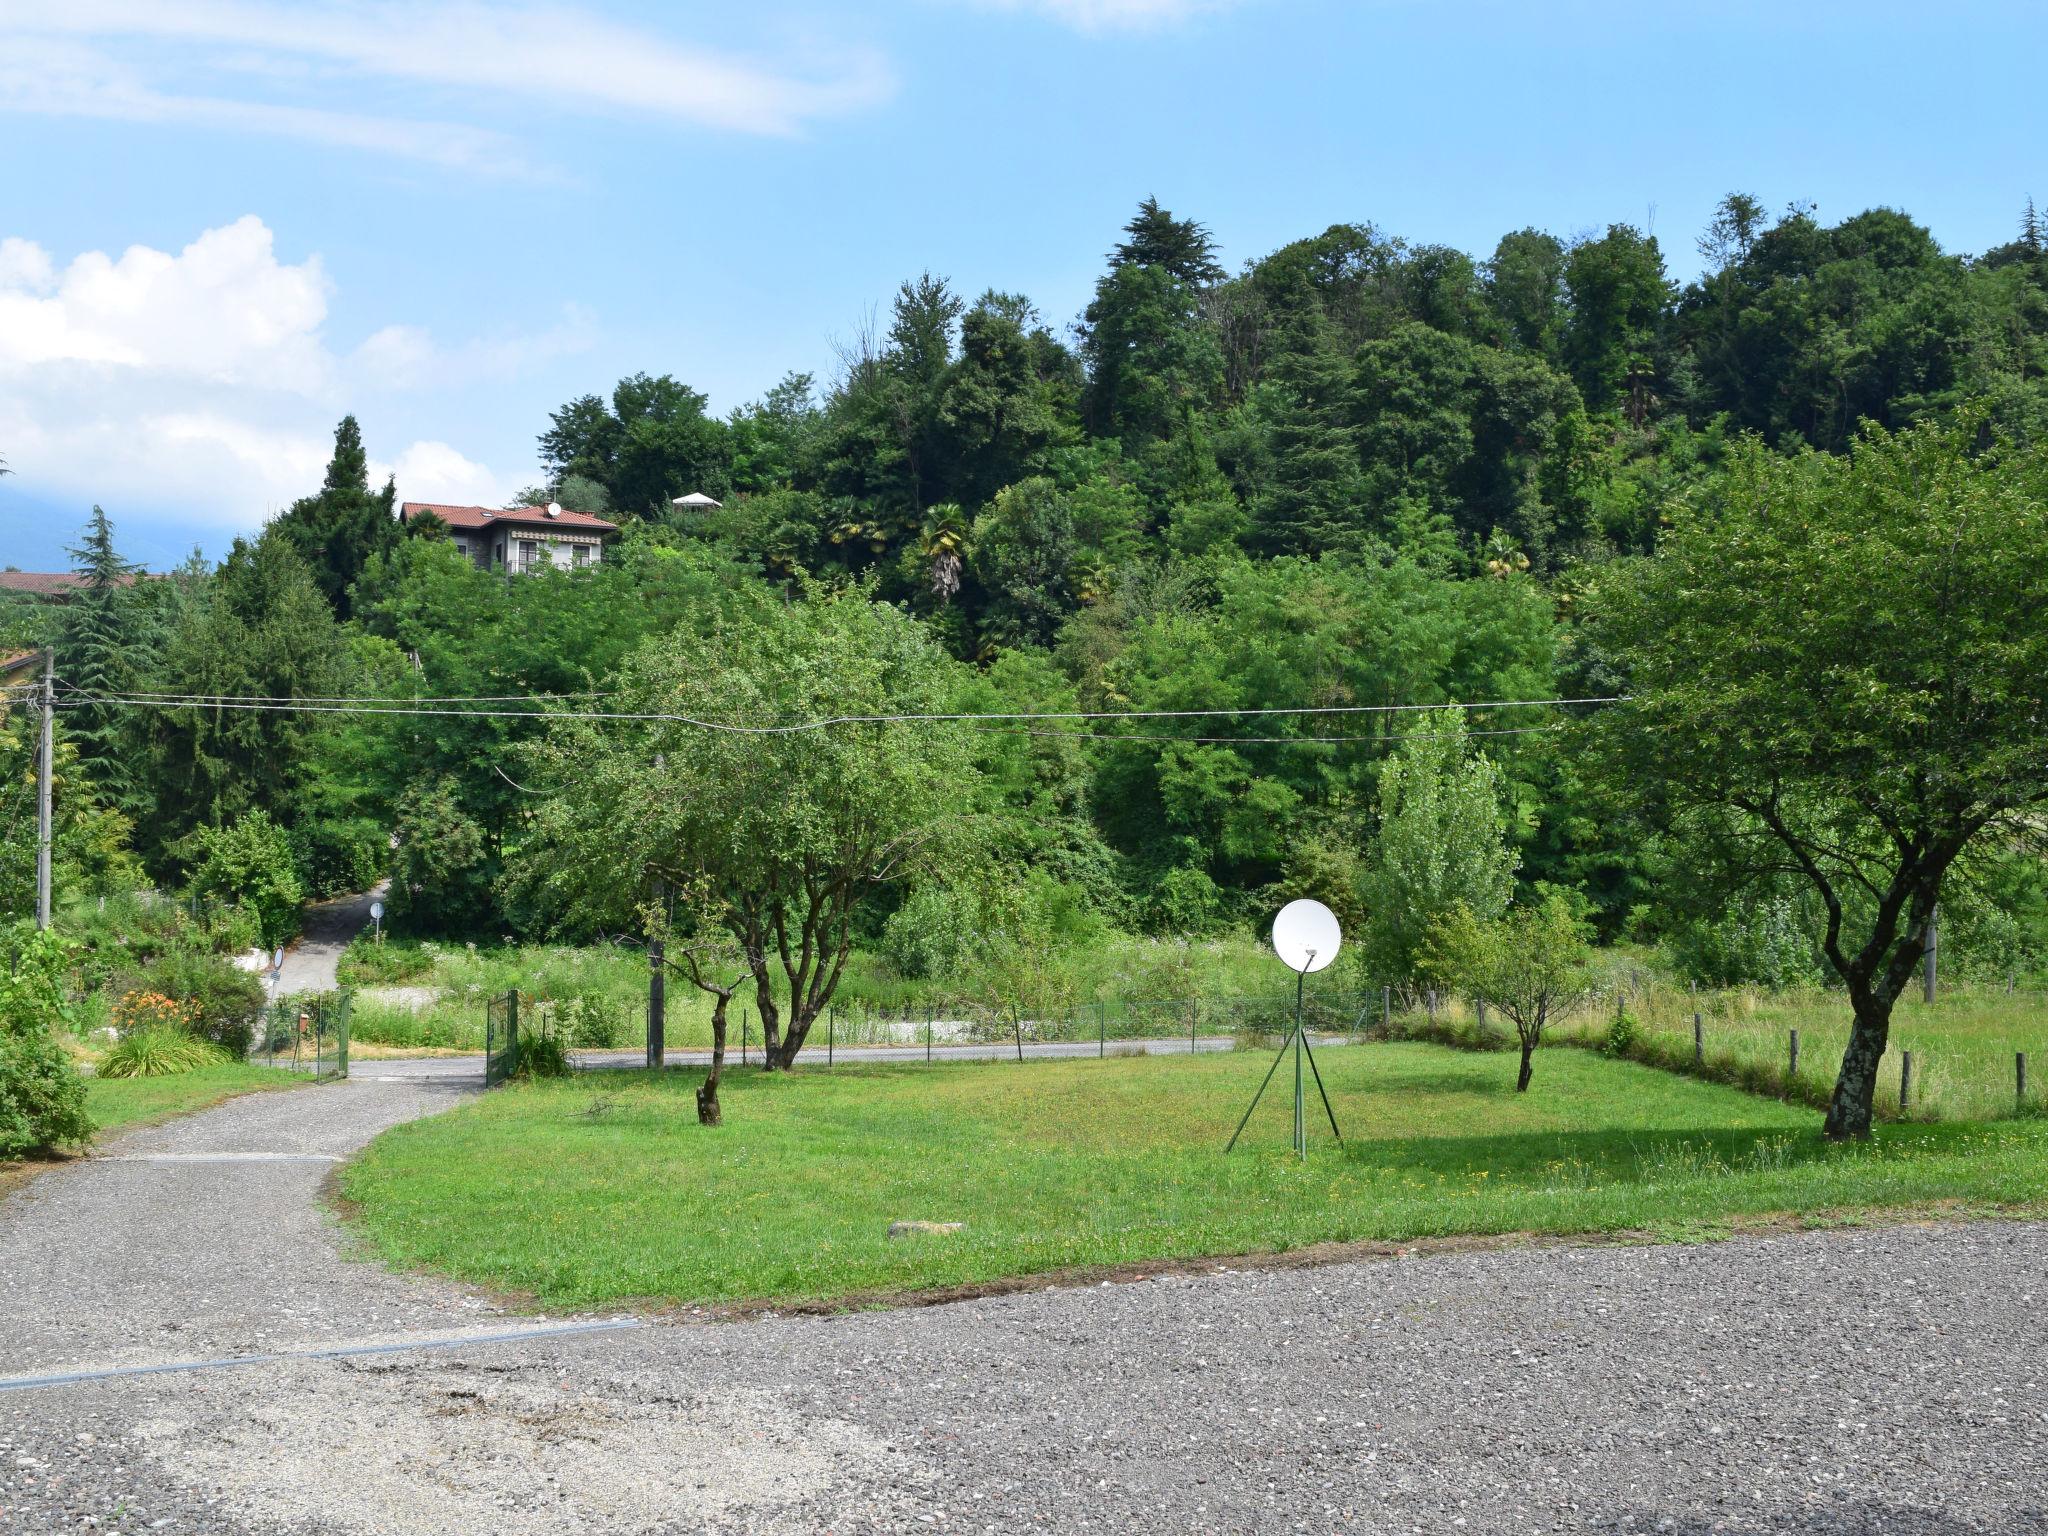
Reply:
x=44, y=759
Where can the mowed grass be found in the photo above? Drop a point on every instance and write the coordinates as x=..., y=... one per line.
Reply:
x=604, y=1188
x=120, y=1102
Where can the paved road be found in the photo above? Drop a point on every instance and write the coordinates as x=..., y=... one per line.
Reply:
x=1846, y=1383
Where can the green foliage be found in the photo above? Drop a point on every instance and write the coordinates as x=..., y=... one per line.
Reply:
x=1440, y=845
x=337, y=530
x=223, y=1002
x=251, y=862
x=42, y=1097
x=1534, y=965
x=441, y=869
x=1836, y=670
x=159, y=1051
x=775, y=837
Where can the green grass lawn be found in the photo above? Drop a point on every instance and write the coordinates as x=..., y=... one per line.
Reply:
x=120, y=1102
x=604, y=1187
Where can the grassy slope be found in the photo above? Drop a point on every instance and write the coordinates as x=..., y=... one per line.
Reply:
x=604, y=1187
x=121, y=1102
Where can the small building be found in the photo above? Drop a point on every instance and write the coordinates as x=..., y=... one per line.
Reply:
x=696, y=501
x=522, y=538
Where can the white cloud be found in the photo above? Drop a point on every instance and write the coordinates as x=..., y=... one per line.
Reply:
x=437, y=472
x=118, y=59
x=202, y=380
x=224, y=309
x=1114, y=15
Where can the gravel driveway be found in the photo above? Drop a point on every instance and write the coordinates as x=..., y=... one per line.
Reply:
x=1846, y=1382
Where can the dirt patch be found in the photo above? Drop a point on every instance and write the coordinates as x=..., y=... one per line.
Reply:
x=418, y=1450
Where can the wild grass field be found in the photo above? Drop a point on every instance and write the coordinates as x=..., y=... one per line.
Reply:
x=1963, y=1044
x=603, y=1187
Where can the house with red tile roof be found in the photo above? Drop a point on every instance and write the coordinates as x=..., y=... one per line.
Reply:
x=520, y=538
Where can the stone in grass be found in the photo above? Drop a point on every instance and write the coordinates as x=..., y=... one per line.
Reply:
x=919, y=1228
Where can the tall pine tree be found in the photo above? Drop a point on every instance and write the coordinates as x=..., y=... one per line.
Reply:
x=102, y=649
x=336, y=531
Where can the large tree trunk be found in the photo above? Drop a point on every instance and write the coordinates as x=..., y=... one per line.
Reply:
x=708, y=1112
x=1851, y=1108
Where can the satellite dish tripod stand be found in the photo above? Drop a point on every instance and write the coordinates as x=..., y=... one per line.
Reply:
x=1297, y=1039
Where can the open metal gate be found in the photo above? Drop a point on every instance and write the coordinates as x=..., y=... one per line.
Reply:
x=307, y=1034
x=501, y=1037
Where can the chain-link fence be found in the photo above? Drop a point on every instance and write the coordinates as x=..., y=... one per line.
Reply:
x=306, y=1033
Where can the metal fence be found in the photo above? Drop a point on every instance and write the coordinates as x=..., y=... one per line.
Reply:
x=501, y=1037
x=307, y=1033
x=1104, y=1023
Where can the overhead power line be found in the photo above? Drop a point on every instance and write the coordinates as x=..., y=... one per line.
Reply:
x=432, y=707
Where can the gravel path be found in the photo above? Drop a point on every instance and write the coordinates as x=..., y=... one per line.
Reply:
x=310, y=964
x=1845, y=1383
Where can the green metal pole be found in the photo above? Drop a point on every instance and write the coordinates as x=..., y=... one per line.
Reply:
x=1300, y=1121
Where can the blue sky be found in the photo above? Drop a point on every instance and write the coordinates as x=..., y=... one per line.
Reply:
x=223, y=223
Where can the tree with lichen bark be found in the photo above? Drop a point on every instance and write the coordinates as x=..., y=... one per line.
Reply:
x=1837, y=670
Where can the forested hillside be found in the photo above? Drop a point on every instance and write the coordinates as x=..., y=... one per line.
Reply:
x=1362, y=471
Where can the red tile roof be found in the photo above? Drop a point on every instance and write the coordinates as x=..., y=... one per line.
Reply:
x=524, y=517
x=47, y=583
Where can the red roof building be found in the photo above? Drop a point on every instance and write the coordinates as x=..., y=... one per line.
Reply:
x=57, y=585
x=521, y=538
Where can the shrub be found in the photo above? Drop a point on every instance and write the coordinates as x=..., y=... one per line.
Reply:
x=220, y=1001
x=42, y=1099
x=1621, y=1039
x=592, y=1023
x=542, y=1053
x=159, y=1050
x=393, y=962
x=251, y=862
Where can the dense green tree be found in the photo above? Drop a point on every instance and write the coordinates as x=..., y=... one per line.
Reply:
x=653, y=441
x=103, y=645
x=263, y=631
x=1836, y=671
x=337, y=530
x=1440, y=844
x=1618, y=297
x=787, y=835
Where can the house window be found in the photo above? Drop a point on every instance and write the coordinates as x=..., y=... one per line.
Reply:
x=527, y=548
x=580, y=555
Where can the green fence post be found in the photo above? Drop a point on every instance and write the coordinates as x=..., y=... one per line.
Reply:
x=512, y=1032
x=1101, y=1028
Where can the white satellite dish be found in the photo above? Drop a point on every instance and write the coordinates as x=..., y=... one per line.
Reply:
x=1306, y=935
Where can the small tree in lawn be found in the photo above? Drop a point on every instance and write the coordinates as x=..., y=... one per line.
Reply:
x=788, y=829
x=1442, y=843
x=1535, y=966
x=1839, y=671
x=696, y=939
